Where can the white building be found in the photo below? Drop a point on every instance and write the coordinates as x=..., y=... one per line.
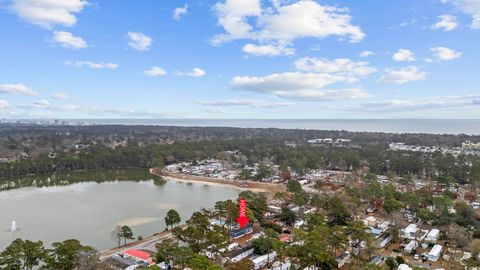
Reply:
x=384, y=240
x=281, y=265
x=343, y=259
x=434, y=254
x=240, y=254
x=410, y=246
x=261, y=261
x=433, y=235
x=412, y=232
x=404, y=267
x=274, y=209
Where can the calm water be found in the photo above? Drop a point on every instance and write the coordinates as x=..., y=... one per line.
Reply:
x=90, y=211
x=435, y=126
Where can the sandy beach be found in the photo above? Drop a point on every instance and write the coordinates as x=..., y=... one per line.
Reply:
x=268, y=188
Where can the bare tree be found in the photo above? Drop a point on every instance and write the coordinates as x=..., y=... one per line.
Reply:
x=88, y=260
x=116, y=235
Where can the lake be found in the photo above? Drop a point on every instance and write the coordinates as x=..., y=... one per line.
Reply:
x=89, y=211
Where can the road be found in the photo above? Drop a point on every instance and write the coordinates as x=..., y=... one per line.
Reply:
x=145, y=244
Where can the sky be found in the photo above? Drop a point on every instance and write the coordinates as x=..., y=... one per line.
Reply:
x=263, y=59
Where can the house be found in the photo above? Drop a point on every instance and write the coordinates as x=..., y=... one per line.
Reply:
x=138, y=255
x=434, y=254
x=375, y=231
x=240, y=254
x=256, y=236
x=286, y=238
x=261, y=261
x=433, y=235
x=232, y=246
x=120, y=262
x=274, y=209
x=410, y=246
x=303, y=182
x=295, y=209
x=370, y=221
x=343, y=259
x=384, y=226
x=241, y=232
x=412, y=232
x=278, y=265
x=376, y=260
x=404, y=267
x=475, y=205
x=298, y=223
x=384, y=240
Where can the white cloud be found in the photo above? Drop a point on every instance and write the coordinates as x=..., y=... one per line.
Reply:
x=254, y=103
x=308, y=19
x=139, y=41
x=48, y=13
x=267, y=50
x=232, y=16
x=420, y=103
x=341, y=66
x=180, y=11
x=155, y=72
x=283, y=23
x=196, y=73
x=92, y=65
x=61, y=96
x=445, y=54
x=4, y=104
x=469, y=7
x=19, y=88
x=44, y=104
x=215, y=110
x=403, y=75
x=297, y=85
x=68, y=40
x=446, y=22
x=404, y=55
x=365, y=54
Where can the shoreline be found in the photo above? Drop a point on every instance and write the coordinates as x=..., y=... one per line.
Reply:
x=268, y=188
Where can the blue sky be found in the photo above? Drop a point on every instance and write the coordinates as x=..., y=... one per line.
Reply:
x=239, y=59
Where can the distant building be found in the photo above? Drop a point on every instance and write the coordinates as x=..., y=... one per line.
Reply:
x=471, y=145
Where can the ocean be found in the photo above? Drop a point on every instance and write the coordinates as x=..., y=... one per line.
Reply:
x=433, y=126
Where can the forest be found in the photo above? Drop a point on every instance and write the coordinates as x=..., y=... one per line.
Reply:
x=138, y=153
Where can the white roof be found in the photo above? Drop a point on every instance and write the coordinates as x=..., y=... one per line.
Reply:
x=259, y=259
x=435, y=250
x=433, y=233
x=411, y=228
x=411, y=245
x=404, y=267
